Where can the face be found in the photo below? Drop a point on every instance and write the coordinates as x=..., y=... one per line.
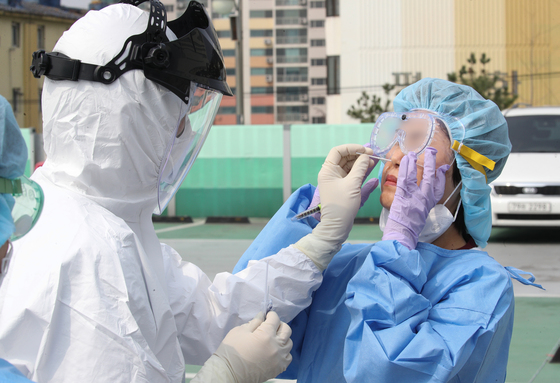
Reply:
x=390, y=174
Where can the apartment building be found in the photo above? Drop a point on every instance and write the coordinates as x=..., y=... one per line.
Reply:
x=284, y=56
x=371, y=43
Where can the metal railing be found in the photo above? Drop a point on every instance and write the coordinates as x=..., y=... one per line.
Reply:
x=291, y=77
x=291, y=59
x=291, y=40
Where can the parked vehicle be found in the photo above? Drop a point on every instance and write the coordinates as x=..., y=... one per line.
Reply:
x=527, y=193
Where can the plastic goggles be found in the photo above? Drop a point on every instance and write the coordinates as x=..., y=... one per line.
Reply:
x=413, y=131
x=28, y=203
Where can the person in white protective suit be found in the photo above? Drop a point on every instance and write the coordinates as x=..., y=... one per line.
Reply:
x=92, y=295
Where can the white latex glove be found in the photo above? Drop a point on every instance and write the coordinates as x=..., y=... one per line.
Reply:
x=339, y=182
x=251, y=353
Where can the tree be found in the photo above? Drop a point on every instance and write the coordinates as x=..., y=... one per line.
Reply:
x=484, y=83
x=368, y=108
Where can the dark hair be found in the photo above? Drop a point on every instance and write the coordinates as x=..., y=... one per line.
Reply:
x=460, y=221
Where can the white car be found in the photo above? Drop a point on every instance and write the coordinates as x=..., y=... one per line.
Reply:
x=527, y=193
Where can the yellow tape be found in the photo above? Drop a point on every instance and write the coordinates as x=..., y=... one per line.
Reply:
x=474, y=158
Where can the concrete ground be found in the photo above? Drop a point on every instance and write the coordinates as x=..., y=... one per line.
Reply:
x=217, y=247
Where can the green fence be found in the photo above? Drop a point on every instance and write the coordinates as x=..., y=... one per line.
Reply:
x=240, y=169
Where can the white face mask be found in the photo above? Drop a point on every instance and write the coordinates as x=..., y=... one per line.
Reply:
x=438, y=221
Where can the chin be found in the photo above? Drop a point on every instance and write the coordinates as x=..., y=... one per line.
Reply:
x=386, y=199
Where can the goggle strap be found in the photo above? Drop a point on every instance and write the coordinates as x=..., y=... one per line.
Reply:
x=10, y=186
x=475, y=159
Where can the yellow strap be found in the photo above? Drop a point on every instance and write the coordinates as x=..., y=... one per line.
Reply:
x=474, y=158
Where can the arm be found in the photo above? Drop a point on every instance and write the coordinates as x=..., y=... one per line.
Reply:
x=411, y=328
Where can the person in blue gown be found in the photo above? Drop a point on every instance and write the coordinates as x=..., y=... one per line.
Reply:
x=426, y=303
x=13, y=158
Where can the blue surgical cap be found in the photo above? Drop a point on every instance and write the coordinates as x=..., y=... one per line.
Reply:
x=476, y=123
x=13, y=158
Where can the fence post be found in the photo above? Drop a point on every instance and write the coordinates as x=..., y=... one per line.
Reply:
x=287, y=162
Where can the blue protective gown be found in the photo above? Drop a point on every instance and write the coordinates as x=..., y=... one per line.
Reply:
x=388, y=314
x=10, y=374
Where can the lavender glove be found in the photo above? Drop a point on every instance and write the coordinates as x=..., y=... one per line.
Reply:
x=412, y=203
x=367, y=189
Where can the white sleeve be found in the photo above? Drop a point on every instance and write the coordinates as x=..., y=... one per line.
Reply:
x=205, y=311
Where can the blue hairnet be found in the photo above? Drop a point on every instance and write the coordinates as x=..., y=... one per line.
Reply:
x=13, y=158
x=485, y=131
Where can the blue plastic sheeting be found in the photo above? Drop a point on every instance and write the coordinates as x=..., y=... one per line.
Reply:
x=387, y=314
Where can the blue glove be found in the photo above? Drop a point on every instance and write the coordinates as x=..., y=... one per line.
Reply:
x=412, y=203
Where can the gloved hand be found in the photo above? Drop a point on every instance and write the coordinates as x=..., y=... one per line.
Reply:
x=339, y=182
x=412, y=203
x=250, y=353
x=366, y=190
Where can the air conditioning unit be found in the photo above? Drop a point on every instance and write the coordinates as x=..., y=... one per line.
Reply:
x=267, y=42
x=269, y=78
x=305, y=117
x=302, y=2
x=304, y=97
x=270, y=60
x=303, y=21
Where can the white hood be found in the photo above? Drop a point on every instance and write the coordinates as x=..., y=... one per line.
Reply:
x=107, y=142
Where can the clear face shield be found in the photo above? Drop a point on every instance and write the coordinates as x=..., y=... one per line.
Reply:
x=413, y=131
x=192, y=129
x=28, y=203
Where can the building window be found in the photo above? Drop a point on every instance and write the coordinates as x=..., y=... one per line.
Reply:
x=281, y=3
x=318, y=43
x=292, y=93
x=262, y=90
x=260, y=14
x=261, y=52
x=291, y=17
x=230, y=71
x=261, y=32
x=226, y=110
x=224, y=33
x=291, y=36
x=318, y=81
x=318, y=120
x=291, y=55
x=317, y=23
x=228, y=52
x=295, y=74
x=260, y=71
x=15, y=35
x=333, y=8
x=262, y=109
x=41, y=37
x=318, y=62
x=293, y=113
x=318, y=100
x=317, y=4
x=169, y=8
x=333, y=75
x=16, y=100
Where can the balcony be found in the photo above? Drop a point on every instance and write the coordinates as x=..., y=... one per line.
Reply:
x=292, y=97
x=291, y=78
x=291, y=59
x=291, y=40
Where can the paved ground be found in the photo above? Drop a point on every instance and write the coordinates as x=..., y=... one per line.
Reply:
x=217, y=247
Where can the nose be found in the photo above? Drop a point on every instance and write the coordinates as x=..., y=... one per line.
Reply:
x=395, y=154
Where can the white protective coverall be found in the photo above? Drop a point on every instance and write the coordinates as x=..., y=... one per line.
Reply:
x=92, y=295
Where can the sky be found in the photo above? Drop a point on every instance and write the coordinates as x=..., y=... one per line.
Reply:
x=75, y=3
